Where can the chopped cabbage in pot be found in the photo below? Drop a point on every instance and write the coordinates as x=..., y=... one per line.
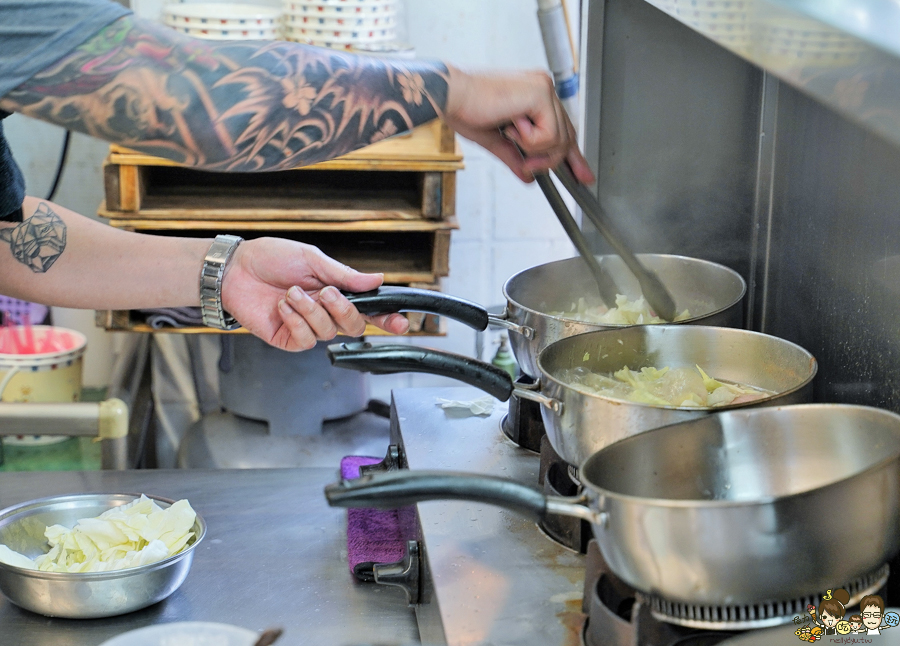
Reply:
x=131, y=535
x=626, y=312
x=683, y=387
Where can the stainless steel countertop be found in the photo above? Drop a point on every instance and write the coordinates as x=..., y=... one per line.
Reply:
x=494, y=578
x=274, y=555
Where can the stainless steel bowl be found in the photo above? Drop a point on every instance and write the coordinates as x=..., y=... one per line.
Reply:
x=84, y=595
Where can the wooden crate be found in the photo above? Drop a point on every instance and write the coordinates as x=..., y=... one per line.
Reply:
x=388, y=208
x=404, y=178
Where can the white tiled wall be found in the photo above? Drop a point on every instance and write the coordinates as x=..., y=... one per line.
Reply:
x=505, y=225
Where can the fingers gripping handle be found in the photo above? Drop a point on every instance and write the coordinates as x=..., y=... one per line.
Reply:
x=388, y=300
x=389, y=359
x=402, y=488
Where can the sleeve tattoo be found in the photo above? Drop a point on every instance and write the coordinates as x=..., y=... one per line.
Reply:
x=229, y=106
x=37, y=241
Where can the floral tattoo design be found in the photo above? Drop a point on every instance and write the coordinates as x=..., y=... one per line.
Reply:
x=38, y=241
x=229, y=106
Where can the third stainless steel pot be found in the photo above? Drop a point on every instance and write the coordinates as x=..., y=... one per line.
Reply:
x=738, y=507
x=579, y=423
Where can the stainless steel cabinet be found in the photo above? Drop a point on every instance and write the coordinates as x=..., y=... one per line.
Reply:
x=772, y=146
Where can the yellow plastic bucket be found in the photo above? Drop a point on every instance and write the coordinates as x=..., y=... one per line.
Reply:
x=45, y=376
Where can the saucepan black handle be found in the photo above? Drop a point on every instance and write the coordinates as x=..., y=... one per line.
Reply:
x=402, y=488
x=387, y=300
x=392, y=358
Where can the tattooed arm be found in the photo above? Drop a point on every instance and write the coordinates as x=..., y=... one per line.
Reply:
x=255, y=106
x=231, y=106
x=58, y=257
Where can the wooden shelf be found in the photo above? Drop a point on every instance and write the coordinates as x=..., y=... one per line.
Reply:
x=388, y=208
x=430, y=147
x=161, y=192
x=180, y=221
x=371, y=330
x=405, y=251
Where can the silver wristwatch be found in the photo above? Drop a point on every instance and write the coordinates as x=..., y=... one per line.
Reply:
x=211, y=283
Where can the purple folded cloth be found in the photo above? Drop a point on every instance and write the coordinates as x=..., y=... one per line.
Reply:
x=374, y=535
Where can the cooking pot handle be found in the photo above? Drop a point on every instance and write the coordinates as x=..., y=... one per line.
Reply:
x=387, y=300
x=389, y=359
x=402, y=488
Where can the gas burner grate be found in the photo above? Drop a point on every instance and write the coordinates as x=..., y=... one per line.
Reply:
x=760, y=615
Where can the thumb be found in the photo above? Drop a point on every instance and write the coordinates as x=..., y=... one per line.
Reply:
x=332, y=272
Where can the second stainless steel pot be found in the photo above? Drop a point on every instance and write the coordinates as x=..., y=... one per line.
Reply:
x=579, y=423
x=740, y=507
x=536, y=299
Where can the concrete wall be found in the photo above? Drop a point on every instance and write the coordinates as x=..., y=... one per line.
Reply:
x=505, y=225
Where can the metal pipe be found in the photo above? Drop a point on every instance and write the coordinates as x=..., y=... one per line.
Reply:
x=31, y=418
x=107, y=421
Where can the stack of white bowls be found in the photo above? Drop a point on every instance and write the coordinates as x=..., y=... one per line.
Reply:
x=223, y=21
x=340, y=24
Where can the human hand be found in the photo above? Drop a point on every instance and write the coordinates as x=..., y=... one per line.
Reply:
x=479, y=105
x=287, y=294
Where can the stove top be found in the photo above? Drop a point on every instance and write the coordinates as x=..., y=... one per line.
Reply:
x=488, y=576
x=491, y=577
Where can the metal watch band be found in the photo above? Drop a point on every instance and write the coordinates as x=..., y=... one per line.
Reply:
x=211, y=283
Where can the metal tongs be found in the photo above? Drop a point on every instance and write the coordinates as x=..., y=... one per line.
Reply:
x=654, y=291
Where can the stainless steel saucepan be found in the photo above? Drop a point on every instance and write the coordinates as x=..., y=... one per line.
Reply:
x=537, y=297
x=579, y=423
x=739, y=507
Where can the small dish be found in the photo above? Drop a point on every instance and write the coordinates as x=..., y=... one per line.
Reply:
x=186, y=633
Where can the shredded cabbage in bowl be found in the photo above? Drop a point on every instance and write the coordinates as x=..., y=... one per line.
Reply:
x=138, y=533
x=682, y=387
x=626, y=312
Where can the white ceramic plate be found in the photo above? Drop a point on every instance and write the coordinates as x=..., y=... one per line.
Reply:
x=350, y=21
x=340, y=3
x=341, y=36
x=229, y=34
x=319, y=43
x=224, y=11
x=294, y=8
x=200, y=23
x=186, y=633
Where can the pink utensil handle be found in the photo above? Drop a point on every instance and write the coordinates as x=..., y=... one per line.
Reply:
x=48, y=344
x=11, y=329
x=29, y=334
